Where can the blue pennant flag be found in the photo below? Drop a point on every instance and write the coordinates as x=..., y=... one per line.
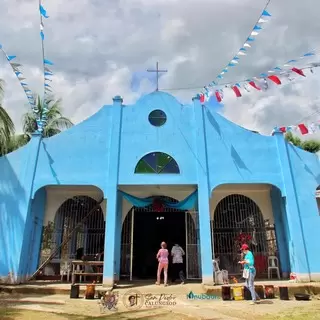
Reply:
x=11, y=58
x=250, y=39
x=219, y=76
x=236, y=58
x=309, y=54
x=243, y=49
x=46, y=85
x=27, y=90
x=225, y=70
x=24, y=84
x=231, y=64
x=263, y=75
x=48, y=74
x=238, y=85
x=290, y=61
x=277, y=68
x=257, y=28
x=17, y=73
x=42, y=35
x=43, y=12
x=48, y=62
x=265, y=13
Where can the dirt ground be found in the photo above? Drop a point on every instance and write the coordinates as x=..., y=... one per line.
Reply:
x=60, y=307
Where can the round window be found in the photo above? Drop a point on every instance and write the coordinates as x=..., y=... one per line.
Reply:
x=157, y=118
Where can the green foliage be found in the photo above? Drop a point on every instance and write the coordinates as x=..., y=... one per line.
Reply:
x=308, y=145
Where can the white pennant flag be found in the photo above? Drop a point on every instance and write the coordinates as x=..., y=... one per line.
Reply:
x=262, y=20
x=241, y=53
x=234, y=61
x=254, y=33
x=41, y=26
x=247, y=45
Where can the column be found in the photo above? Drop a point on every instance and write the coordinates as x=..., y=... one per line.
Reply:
x=27, y=179
x=297, y=252
x=281, y=232
x=118, y=239
x=112, y=243
x=203, y=195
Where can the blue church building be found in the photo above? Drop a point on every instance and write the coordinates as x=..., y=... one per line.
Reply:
x=132, y=176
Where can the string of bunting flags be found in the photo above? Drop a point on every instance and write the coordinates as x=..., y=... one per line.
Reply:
x=261, y=82
x=16, y=68
x=263, y=18
x=47, y=73
x=301, y=127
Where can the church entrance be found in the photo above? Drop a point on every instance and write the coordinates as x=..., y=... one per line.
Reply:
x=145, y=228
x=151, y=228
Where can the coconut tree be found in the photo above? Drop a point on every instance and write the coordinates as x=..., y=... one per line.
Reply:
x=6, y=125
x=56, y=122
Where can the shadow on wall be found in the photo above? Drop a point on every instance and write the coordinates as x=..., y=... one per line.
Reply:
x=11, y=224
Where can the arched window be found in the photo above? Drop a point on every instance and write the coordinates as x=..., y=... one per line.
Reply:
x=157, y=162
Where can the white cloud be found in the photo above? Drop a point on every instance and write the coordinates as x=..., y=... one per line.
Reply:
x=96, y=45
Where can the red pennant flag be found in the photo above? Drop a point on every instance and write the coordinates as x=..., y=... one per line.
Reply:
x=275, y=79
x=252, y=84
x=202, y=98
x=298, y=71
x=237, y=91
x=303, y=128
x=283, y=129
x=218, y=96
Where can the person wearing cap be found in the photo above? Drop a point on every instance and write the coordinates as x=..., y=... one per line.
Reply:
x=249, y=272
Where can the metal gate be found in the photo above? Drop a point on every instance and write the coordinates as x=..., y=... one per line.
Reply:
x=193, y=265
x=237, y=217
x=193, y=258
x=89, y=238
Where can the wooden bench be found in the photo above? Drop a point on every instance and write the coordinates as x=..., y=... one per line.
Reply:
x=80, y=273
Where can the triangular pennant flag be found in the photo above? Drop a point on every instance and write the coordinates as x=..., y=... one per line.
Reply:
x=247, y=45
x=275, y=79
x=234, y=61
x=257, y=28
x=290, y=61
x=48, y=74
x=17, y=73
x=41, y=26
x=47, y=79
x=303, y=128
x=250, y=39
x=47, y=69
x=240, y=53
x=231, y=65
x=254, y=33
x=243, y=49
x=265, y=13
x=42, y=35
x=23, y=84
x=262, y=20
x=263, y=75
x=283, y=129
x=15, y=65
x=27, y=90
x=21, y=78
x=277, y=68
x=225, y=70
x=220, y=76
x=48, y=62
x=218, y=96
x=47, y=85
x=286, y=65
x=11, y=57
x=309, y=54
x=43, y=12
x=236, y=58
x=238, y=85
x=252, y=84
x=236, y=91
x=47, y=89
x=202, y=98
x=298, y=71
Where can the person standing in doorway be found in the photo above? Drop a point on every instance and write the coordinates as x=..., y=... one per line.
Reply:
x=177, y=254
x=163, y=260
x=249, y=272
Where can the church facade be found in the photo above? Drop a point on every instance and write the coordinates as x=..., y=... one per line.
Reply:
x=132, y=176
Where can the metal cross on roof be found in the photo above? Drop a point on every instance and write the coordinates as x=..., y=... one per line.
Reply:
x=157, y=71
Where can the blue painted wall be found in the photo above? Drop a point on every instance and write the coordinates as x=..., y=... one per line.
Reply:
x=103, y=151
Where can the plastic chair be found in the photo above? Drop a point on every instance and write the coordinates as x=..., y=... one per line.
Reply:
x=65, y=271
x=273, y=264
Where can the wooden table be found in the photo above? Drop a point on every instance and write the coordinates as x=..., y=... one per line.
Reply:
x=76, y=263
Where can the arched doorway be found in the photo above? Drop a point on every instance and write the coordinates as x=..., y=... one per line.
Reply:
x=89, y=235
x=143, y=229
x=236, y=217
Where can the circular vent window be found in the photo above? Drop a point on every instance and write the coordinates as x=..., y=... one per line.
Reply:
x=157, y=118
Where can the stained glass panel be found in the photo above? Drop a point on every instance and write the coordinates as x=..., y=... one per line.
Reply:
x=143, y=167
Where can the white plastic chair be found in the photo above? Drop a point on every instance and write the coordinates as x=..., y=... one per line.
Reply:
x=65, y=270
x=273, y=264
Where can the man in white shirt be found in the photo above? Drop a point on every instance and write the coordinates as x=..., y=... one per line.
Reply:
x=177, y=254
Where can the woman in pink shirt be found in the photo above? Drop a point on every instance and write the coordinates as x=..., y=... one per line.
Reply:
x=162, y=257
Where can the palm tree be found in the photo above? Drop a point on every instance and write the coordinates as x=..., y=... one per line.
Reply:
x=54, y=125
x=6, y=125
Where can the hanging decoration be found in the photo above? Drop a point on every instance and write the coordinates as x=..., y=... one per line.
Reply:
x=16, y=68
x=263, y=18
x=47, y=73
x=157, y=205
x=299, y=128
x=276, y=75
